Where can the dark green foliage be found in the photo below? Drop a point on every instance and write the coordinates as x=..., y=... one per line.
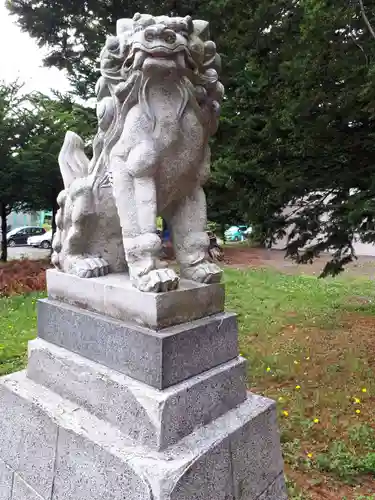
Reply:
x=16, y=122
x=32, y=130
x=40, y=157
x=298, y=116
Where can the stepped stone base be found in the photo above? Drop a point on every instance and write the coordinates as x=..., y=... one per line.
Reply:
x=112, y=409
x=158, y=358
x=53, y=449
x=151, y=417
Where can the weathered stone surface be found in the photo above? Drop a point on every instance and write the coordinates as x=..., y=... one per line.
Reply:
x=136, y=170
x=114, y=296
x=101, y=472
x=151, y=417
x=94, y=460
x=277, y=491
x=6, y=481
x=208, y=477
x=22, y=491
x=256, y=454
x=27, y=440
x=85, y=471
x=160, y=359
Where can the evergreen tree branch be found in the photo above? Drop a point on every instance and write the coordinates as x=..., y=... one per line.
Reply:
x=365, y=18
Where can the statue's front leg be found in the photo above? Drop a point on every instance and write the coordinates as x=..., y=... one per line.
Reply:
x=190, y=239
x=135, y=195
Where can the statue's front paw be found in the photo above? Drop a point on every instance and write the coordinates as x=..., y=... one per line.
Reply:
x=157, y=280
x=89, y=267
x=204, y=272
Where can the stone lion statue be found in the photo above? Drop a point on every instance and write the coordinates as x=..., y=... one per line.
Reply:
x=158, y=102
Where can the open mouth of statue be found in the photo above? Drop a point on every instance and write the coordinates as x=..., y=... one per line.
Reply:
x=158, y=54
x=162, y=51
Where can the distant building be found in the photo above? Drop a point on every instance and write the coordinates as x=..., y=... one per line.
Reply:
x=364, y=249
x=18, y=219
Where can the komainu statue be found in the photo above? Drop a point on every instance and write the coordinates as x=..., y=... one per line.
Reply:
x=158, y=102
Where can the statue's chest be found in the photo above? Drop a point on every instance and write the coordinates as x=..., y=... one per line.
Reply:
x=177, y=137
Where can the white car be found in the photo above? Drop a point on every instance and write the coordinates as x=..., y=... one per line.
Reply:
x=42, y=241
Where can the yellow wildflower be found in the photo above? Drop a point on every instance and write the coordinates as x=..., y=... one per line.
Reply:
x=357, y=401
x=286, y=413
x=364, y=389
x=309, y=455
x=298, y=387
x=268, y=369
x=358, y=412
x=316, y=421
x=296, y=362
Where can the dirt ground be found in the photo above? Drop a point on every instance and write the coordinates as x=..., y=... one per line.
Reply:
x=245, y=256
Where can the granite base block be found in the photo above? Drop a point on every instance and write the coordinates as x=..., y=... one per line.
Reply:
x=27, y=440
x=22, y=491
x=260, y=434
x=6, y=481
x=277, y=490
x=114, y=296
x=159, y=359
x=94, y=460
x=151, y=417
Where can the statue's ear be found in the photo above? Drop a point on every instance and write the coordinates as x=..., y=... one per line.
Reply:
x=201, y=28
x=124, y=25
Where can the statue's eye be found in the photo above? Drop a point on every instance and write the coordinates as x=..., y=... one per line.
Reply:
x=149, y=36
x=170, y=39
x=169, y=36
x=185, y=34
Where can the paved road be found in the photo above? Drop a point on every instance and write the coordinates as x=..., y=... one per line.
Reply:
x=27, y=253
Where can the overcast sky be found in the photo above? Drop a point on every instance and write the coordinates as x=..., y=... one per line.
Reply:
x=21, y=58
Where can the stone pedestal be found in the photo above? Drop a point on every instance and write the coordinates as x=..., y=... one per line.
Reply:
x=128, y=403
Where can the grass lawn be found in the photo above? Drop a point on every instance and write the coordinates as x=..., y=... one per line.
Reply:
x=310, y=345
x=17, y=327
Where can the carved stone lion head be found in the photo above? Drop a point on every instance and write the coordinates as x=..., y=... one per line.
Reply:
x=148, y=44
x=146, y=48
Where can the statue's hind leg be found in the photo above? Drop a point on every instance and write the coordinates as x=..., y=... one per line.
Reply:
x=188, y=223
x=135, y=194
x=84, y=245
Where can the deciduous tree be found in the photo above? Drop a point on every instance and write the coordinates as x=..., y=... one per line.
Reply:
x=16, y=121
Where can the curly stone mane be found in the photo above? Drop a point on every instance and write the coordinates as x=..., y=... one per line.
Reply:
x=123, y=84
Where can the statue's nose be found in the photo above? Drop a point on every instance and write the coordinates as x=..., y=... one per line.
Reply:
x=160, y=32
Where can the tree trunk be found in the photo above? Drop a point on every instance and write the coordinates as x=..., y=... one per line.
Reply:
x=4, y=246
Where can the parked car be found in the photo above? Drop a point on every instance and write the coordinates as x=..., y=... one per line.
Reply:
x=237, y=233
x=41, y=241
x=19, y=235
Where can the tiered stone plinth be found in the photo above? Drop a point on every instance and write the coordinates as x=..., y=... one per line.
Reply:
x=112, y=408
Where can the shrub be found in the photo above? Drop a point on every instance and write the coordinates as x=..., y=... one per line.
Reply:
x=23, y=276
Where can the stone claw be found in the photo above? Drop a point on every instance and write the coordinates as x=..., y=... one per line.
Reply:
x=157, y=281
x=90, y=267
x=204, y=272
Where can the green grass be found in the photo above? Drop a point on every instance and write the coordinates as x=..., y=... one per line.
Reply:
x=268, y=302
x=17, y=327
x=264, y=298
x=309, y=345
